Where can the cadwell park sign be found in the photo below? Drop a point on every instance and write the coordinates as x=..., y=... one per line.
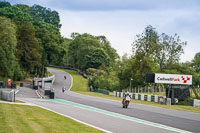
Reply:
x=173, y=79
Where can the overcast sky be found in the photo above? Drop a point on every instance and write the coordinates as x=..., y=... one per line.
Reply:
x=121, y=20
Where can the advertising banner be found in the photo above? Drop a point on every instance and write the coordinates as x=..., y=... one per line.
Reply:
x=173, y=79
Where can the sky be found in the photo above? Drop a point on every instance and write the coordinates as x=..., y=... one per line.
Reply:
x=121, y=20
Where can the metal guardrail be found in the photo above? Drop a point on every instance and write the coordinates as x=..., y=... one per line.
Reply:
x=71, y=68
x=7, y=94
x=102, y=91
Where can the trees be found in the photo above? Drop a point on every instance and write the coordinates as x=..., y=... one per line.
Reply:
x=152, y=53
x=86, y=50
x=28, y=51
x=8, y=43
x=37, y=36
x=96, y=58
x=42, y=14
x=196, y=62
x=144, y=50
x=168, y=51
x=15, y=13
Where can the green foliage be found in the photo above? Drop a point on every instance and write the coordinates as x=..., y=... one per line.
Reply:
x=8, y=43
x=87, y=51
x=185, y=102
x=196, y=79
x=38, y=40
x=144, y=51
x=4, y=4
x=15, y=13
x=42, y=14
x=99, y=79
x=152, y=53
x=28, y=52
x=196, y=62
x=96, y=58
x=168, y=51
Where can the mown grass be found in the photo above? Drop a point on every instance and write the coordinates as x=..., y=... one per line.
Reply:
x=155, y=93
x=80, y=86
x=28, y=119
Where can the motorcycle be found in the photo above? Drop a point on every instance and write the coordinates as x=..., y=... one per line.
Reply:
x=126, y=101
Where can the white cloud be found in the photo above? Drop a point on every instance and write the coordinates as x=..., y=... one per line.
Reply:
x=121, y=27
x=123, y=19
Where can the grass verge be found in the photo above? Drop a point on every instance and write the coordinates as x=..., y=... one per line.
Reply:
x=27, y=119
x=80, y=86
x=155, y=93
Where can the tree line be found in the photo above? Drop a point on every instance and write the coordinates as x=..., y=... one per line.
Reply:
x=30, y=38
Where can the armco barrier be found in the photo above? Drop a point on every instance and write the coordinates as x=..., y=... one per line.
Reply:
x=102, y=91
x=122, y=94
x=115, y=93
x=196, y=103
x=139, y=96
x=7, y=95
x=156, y=99
x=150, y=98
x=191, y=102
x=133, y=96
x=145, y=97
x=142, y=97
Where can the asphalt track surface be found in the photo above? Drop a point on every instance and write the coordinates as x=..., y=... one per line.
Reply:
x=74, y=108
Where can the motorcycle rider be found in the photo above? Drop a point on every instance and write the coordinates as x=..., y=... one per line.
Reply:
x=63, y=89
x=125, y=95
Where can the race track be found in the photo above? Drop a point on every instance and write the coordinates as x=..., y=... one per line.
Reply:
x=109, y=114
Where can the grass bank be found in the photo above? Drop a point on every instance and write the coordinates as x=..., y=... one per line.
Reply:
x=27, y=119
x=80, y=86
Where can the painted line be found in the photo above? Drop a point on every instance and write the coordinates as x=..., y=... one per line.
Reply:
x=36, y=91
x=96, y=97
x=118, y=115
x=71, y=81
x=16, y=92
x=31, y=104
x=17, y=103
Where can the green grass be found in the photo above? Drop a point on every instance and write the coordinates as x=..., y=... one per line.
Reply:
x=80, y=86
x=155, y=93
x=27, y=119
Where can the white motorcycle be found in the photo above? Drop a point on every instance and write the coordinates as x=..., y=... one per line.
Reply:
x=126, y=101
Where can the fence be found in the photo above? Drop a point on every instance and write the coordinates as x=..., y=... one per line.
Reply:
x=146, y=89
x=71, y=68
x=195, y=103
x=102, y=91
x=143, y=97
